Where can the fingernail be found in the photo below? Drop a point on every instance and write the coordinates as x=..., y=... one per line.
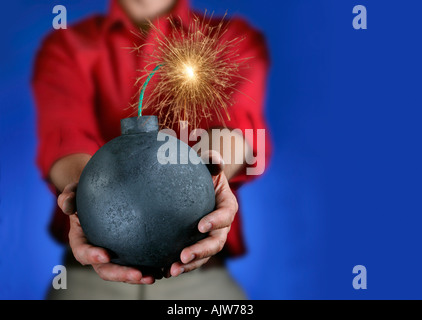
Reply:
x=65, y=207
x=133, y=277
x=207, y=227
x=192, y=256
x=181, y=271
x=102, y=259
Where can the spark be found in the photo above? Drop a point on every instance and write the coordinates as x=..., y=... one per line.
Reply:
x=198, y=73
x=190, y=73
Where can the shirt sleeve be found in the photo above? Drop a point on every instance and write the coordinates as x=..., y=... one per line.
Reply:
x=247, y=111
x=64, y=99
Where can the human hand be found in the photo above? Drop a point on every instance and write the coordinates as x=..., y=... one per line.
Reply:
x=216, y=224
x=88, y=254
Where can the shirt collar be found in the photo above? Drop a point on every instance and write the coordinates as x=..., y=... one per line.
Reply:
x=117, y=16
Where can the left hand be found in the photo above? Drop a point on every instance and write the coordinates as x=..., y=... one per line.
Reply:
x=217, y=223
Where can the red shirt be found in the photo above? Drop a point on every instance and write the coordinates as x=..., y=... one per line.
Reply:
x=84, y=82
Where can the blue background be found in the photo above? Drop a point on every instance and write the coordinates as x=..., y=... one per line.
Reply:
x=344, y=184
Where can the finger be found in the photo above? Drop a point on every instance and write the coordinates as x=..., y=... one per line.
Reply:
x=84, y=252
x=178, y=268
x=98, y=257
x=218, y=219
x=67, y=199
x=67, y=202
x=221, y=186
x=205, y=248
x=118, y=273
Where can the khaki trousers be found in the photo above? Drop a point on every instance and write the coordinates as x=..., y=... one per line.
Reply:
x=212, y=282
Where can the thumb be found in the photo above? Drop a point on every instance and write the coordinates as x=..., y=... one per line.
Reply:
x=67, y=199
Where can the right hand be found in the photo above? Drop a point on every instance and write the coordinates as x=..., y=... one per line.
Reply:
x=88, y=254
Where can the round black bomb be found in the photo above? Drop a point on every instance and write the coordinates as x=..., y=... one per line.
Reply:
x=141, y=210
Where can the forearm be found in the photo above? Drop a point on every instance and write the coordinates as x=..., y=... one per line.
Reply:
x=68, y=169
x=233, y=148
x=232, y=169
